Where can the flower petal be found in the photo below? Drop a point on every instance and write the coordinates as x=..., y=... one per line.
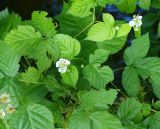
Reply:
x=131, y=23
x=139, y=17
x=62, y=70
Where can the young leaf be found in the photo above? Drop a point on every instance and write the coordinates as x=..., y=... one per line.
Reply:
x=99, y=56
x=113, y=45
x=102, y=30
x=98, y=77
x=35, y=116
x=69, y=47
x=81, y=8
x=71, y=76
x=9, y=60
x=131, y=87
x=108, y=19
x=43, y=24
x=31, y=75
x=128, y=109
x=98, y=99
x=123, y=30
x=138, y=50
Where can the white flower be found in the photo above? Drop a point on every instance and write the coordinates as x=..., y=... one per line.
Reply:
x=136, y=22
x=62, y=65
x=4, y=98
x=10, y=109
x=2, y=113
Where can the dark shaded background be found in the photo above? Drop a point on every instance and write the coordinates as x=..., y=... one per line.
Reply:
x=25, y=7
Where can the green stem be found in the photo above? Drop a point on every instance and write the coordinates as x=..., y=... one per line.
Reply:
x=83, y=29
x=119, y=90
x=27, y=61
x=119, y=69
x=137, y=33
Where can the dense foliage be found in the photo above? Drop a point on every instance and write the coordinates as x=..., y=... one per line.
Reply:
x=62, y=73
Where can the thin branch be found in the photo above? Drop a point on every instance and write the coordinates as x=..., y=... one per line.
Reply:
x=119, y=90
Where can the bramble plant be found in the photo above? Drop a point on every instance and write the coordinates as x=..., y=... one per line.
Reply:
x=60, y=72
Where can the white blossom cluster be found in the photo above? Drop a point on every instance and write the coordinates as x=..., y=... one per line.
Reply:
x=136, y=22
x=5, y=106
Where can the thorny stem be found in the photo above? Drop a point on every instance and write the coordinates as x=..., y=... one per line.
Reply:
x=118, y=90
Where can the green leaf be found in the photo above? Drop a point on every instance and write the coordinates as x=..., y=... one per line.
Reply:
x=153, y=121
x=101, y=2
x=159, y=30
x=28, y=42
x=98, y=77
x=8, y=22
x=113, y=45
x=131, y=87
x=150, y=68
x=98, y=99
x=23, y=40
x=31, y=75
x=131, y=125
x=43, y=24
x=71, y=76
x=99, y=56
x=156, y=4
x=156, y=105
x=69, y=47
x=128, y=109
x=123, y=30
x=35, y=116
x=104, y=120
x=2, y=125
x=9, y=60
x=145, y=4
x=95, y=120
x=4, y=14
x=108, y=19
x=127, y=6
x=102, y=30
x=73, y=25
x=138, y=50
x=80, y=119
x=146, y=109
x=81, y=8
